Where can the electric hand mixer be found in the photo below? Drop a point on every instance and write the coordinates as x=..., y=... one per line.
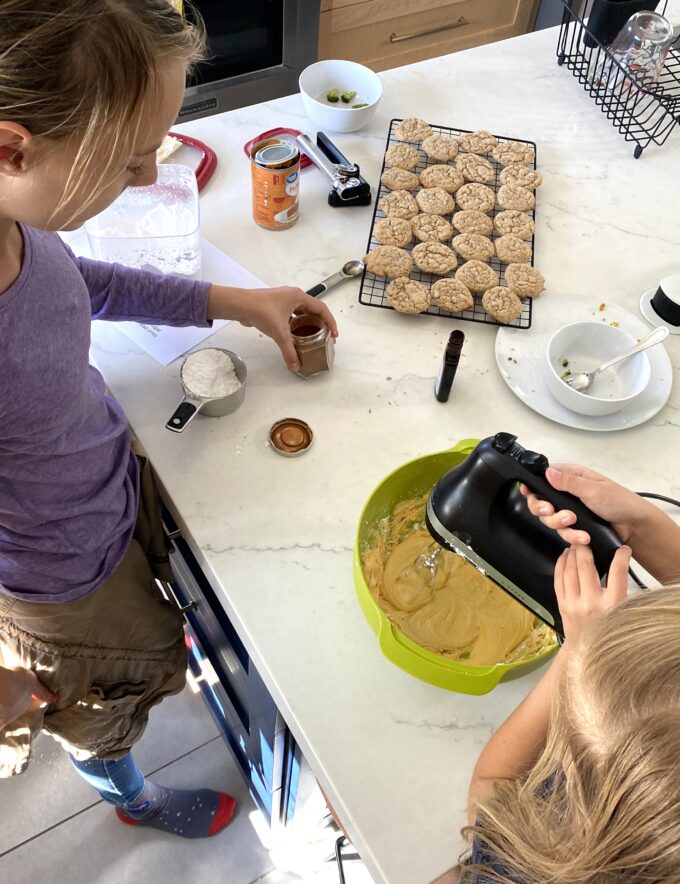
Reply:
x=478, y=511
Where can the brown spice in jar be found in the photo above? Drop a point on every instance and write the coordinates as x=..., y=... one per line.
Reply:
x=313, y=344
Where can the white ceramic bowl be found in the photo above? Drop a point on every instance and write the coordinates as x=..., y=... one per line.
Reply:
x=347, y=76
x=585, y=345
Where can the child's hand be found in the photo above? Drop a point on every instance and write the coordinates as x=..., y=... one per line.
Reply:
x=577, y=587
x=622, y=508
x=269, y=311
x=18, y=688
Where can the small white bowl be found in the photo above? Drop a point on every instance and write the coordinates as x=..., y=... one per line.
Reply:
x=347, y=76
x=584, y=346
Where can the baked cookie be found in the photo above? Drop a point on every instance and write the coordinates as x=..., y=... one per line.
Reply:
x=512, y=221
x=477, y=276
x=431, y=228
x=472, y=221
x=502, y=304
x=512, y=249
x=402, y=156
x=412, y=129
x=441, y=147
x=388, y=261
x=446, y=177
x=407, y=296
x=524, y=281
x=393, y=231
x=476, y=196
x=452, y=295
x=399, y=179
x=435, y=201
x=473, y=247
x=434, y=257
x=399, y=204
x=522, y=176
x=513, y=152
x=511, y=196
x=478, y=142
x=475, y=168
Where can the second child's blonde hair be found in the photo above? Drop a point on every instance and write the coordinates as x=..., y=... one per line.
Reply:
x=78, y=70
x=602, y=804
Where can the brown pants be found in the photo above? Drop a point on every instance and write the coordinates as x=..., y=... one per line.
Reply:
x=109, y=657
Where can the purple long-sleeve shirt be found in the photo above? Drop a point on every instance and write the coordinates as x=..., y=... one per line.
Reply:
x=68, y=478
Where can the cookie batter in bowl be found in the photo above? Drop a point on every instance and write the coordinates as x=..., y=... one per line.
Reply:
x=440, y=601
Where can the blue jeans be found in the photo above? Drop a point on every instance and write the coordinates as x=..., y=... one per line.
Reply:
x=118, y=782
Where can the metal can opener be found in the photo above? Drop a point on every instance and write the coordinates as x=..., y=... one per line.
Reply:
x=349, y=188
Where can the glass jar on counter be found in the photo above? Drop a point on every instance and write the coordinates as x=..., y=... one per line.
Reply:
x=313, y=344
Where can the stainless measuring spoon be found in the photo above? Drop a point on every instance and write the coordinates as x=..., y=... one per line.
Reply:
x=349, y=271
x=583, y=381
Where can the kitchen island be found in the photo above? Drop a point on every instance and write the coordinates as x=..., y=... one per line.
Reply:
x=275, y=536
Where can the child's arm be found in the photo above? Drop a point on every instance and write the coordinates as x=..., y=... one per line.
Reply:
x=518, y=742
x=120, y=293
x=18, y=688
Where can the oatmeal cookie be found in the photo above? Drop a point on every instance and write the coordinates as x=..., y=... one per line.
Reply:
x=441, y=147
x=473, y=221
x=431, y=228
x=407, y=296
x=393, y=231
x=434, y=257
x=511, y=196
x=522, y=176
x=412, y=129
x=513, y=152
x=477, y=276
x=435, y=201
x=476, y=196
x=512, y=249
x=475, y=168
x=446, y=177
x=473, y=247
x=399, y=204
x=452, y=295
x=399, y=179
x=402, y=156
x=502, y=304
x=388, y=261
x=524, y=281
x=478, y=142
x=512, y=221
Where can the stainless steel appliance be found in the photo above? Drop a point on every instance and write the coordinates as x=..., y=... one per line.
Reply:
x=257, y=51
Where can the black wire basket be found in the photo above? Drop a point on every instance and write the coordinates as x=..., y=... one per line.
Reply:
x=643, y=112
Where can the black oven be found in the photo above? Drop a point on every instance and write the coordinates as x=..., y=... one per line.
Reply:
x=257, y=50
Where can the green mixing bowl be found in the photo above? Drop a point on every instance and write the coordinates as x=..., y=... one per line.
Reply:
x=406, y=482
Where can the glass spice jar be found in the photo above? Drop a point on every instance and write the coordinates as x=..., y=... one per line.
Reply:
x=313, y=344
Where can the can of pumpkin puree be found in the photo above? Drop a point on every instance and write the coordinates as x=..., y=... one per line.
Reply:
x=275, y=167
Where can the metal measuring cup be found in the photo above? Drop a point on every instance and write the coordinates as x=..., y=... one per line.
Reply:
x=218, y=406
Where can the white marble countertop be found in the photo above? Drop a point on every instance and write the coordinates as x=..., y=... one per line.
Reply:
x=276, y=535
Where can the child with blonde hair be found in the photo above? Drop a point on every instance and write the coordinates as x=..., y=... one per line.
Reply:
x=581, y=784
x=88, y=89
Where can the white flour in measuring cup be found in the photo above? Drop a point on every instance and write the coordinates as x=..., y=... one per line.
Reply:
x=210, y=373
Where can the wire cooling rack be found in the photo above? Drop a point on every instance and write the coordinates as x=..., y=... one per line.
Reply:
x=372, y=291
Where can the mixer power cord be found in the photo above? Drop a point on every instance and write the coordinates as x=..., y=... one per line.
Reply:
x=664, y=499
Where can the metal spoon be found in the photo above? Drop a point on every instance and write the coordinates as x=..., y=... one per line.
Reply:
x=349, y=271
x=583, y=381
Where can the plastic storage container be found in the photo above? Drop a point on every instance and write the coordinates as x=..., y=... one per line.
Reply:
x=154, y=228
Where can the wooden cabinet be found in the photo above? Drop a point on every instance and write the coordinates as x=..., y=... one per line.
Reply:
x=388, y=33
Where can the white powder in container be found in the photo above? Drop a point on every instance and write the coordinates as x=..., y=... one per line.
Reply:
x=210, y=373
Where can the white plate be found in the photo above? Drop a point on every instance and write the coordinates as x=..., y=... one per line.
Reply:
x=520, y=355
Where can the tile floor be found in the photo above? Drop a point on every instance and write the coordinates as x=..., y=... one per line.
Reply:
x=54, y=830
